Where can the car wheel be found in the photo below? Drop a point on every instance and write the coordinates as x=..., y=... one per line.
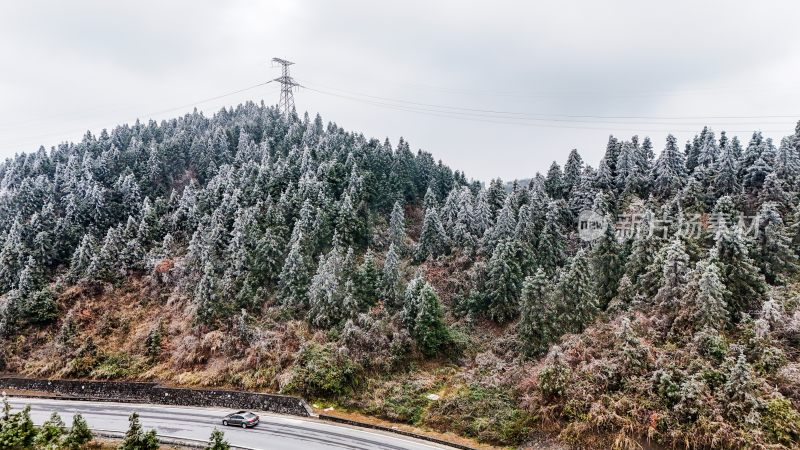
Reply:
x=244, y=425
x=225, y=423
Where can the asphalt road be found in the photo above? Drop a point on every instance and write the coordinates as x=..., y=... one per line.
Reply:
x=275, y=432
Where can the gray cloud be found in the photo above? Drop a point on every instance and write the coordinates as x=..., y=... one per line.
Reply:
x=69, y=66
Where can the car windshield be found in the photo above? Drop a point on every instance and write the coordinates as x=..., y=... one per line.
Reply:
x=249, y=415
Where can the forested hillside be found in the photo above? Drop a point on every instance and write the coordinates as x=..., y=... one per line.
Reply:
x=244, y=250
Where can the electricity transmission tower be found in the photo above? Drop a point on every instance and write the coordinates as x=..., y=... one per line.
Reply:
x=286, y=102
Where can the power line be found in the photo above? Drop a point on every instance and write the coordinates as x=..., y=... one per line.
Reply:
x=210, y=99
x=475, y=117
x=559, y=117
x=539, y=120
x=151, y=114
x=552, y=93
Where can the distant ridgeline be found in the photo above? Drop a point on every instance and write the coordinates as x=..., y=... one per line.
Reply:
x=244, y=218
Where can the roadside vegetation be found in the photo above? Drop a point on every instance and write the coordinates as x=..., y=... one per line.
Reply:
x=17, y=432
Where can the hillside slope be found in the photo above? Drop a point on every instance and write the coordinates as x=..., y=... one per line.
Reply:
x=247, y=251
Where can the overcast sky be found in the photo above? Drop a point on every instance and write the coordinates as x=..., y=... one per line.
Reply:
x=429, y=71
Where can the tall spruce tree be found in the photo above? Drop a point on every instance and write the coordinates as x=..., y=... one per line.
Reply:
x=504, y=281
x=773, y=245
x=674, y=274
x=495, y=196
x=706, y=293
x=367, y=282
x=551, y=246
x=744, y=283
x=669, y=171
x=423, y=316
x=554, y=182
x=327, y=292
x=607, y=265
x=573, y=169
x=726, y=180
x=537, y=314
x=579, y=303
x=433, y=239
x=392, y=289
x=397, y=228
x=430, y=331
x=294, y=278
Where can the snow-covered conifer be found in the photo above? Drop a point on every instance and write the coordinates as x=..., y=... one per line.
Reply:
x=397, y=228
x=669, y=171
x=433, y=239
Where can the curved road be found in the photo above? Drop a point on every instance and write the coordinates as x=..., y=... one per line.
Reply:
x=275, y=432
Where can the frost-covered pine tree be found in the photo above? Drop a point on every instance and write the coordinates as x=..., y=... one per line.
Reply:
x=134, y=255
x=267, y=258
x=554, y=183
x=367, y=282
x=12, y=255
x=579, y=304
x=482, y=215
x=572, y=172
x=430, y=200
x=742, y=279
x=606, y=264
x=392, y=281
x=772, y=191
x=537, y=314
x=754, y=150
x=706, y=295
x=503, y=282
x=726, y=178
x=694, y=195
x=463, y=228
x=674, y=274
x=433, y=239
x=294, y=278
x=627, y=176
x=787, y=162
x=740, y=389
x=106, y=264
x=82, y=258
x=504, y=226
x=613, y=148
x=326, y=293
x=209, y=307
x=794, y=229
x=30, y=278
x=304, y=226
x=633, y=353
x=348, y=224
x=604, y=178
x=773, y=245
x=449, y=211
x=708, y=152
x=669, y=171
x=397, y=228
x=410, y=296
x=427, y=326
x=584, y=193
x=626, y=296
x=644, y=249
x=755, y=175
x=646, y=157
x=551, y=246
x=495, y=197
